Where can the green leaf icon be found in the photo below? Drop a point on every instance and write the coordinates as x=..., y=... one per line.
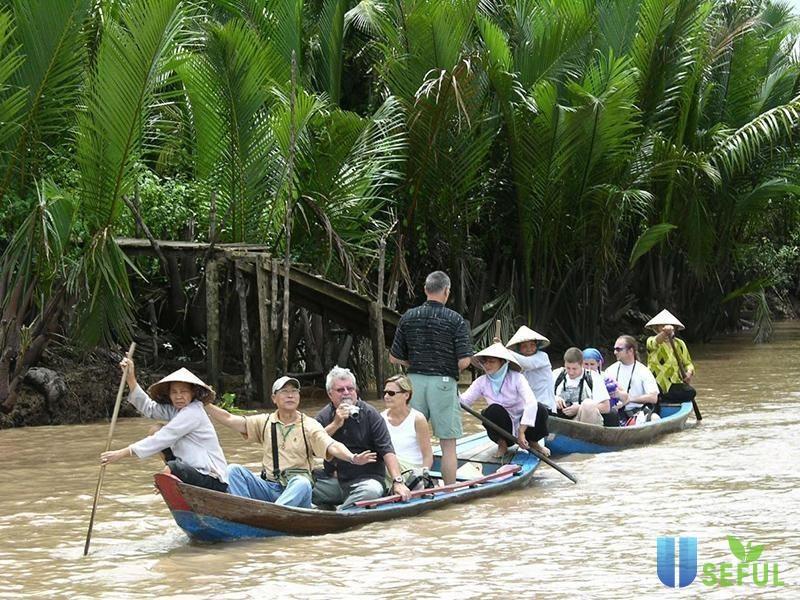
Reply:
x=753, y=553
x=737, y=548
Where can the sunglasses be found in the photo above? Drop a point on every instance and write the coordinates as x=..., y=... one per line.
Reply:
x=342, y=390
x=621, y=349
x=391, y=393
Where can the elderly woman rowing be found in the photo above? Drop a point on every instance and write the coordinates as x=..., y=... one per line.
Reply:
x=177, y=398
x=511, y=403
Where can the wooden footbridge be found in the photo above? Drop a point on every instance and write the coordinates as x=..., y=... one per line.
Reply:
x=355, y=313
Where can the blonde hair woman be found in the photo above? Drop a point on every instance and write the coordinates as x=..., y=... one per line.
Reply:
x=408, y=428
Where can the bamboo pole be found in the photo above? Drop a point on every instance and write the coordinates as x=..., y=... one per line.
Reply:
x=108, y=447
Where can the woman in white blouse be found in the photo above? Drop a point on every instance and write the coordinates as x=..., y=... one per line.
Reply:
x=178, y=398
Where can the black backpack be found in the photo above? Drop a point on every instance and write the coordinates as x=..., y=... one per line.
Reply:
x=587, y=379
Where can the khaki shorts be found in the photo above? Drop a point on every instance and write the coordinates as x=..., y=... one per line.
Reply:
x=436, y=397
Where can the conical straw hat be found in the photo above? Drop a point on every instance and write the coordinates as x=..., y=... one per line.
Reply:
x=497, y=350
x=159, y=391
x=526, y=334
x=664, y=318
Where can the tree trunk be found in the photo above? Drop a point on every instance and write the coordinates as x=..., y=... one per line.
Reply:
x=242, y=289
x=378, y=342
x=212, y=324
x=267, y=345
x=344, y=351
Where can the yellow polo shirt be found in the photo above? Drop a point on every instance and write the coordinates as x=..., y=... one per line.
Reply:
x=295, y=451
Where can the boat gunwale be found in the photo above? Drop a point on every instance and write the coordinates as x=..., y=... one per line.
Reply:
x=620, y=437
x=289, y=520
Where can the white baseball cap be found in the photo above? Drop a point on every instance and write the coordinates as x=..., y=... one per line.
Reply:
x=282, y=381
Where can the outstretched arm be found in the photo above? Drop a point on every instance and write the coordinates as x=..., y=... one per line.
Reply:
x=223, y=417
x=340, y=451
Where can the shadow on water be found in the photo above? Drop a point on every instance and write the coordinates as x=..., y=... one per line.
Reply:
x=733, y=474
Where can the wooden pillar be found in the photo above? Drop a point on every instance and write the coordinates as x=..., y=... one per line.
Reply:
x=273, y=318
x=265, y=308
x=378, y=343
x=212, y=325
x=328, y=360
x=242, y=289
x=376, y=321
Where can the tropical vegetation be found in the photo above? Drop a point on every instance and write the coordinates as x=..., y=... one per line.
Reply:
x=573, y=164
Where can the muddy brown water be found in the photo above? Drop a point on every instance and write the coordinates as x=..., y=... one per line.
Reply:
x=735, y=474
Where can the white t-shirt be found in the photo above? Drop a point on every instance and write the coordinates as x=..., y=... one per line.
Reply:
x=636, y=379
x=597, y=393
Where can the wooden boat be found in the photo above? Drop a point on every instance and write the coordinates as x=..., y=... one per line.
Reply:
x=212, y=516
x=570, y=436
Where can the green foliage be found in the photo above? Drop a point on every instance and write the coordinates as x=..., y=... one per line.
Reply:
x=228, y=402
x=600, y=154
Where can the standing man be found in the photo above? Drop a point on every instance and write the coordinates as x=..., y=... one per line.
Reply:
x=433, y=342
x=290, y=440
x=357, y=425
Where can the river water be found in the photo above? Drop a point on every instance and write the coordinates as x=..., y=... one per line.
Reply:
x=733, y=475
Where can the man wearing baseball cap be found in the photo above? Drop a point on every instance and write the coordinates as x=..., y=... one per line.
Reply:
x=290, y=440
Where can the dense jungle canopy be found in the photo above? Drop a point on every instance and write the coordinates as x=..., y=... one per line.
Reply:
x=572, y=164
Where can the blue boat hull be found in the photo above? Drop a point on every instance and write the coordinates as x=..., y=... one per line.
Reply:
x=568, y=437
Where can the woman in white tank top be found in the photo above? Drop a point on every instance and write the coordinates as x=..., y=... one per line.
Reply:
x=411, y=436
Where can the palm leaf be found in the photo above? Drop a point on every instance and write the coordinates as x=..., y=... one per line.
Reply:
x=119, y=102
x=332, y=30
x=227, y=85
x=649, y=239
x=50, y=38
x=36, y=253
x=12, y=99
x=741, y=148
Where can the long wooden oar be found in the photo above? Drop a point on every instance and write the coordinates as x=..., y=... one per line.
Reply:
x=512, y=440
x=682, y=372
x=108, y=447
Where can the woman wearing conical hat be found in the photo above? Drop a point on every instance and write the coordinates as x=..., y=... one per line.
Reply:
x=667, y=356
x=178, y=398
x=511, y=404
x=527, y=346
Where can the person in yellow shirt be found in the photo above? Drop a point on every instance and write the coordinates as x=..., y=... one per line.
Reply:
x=668, y=358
